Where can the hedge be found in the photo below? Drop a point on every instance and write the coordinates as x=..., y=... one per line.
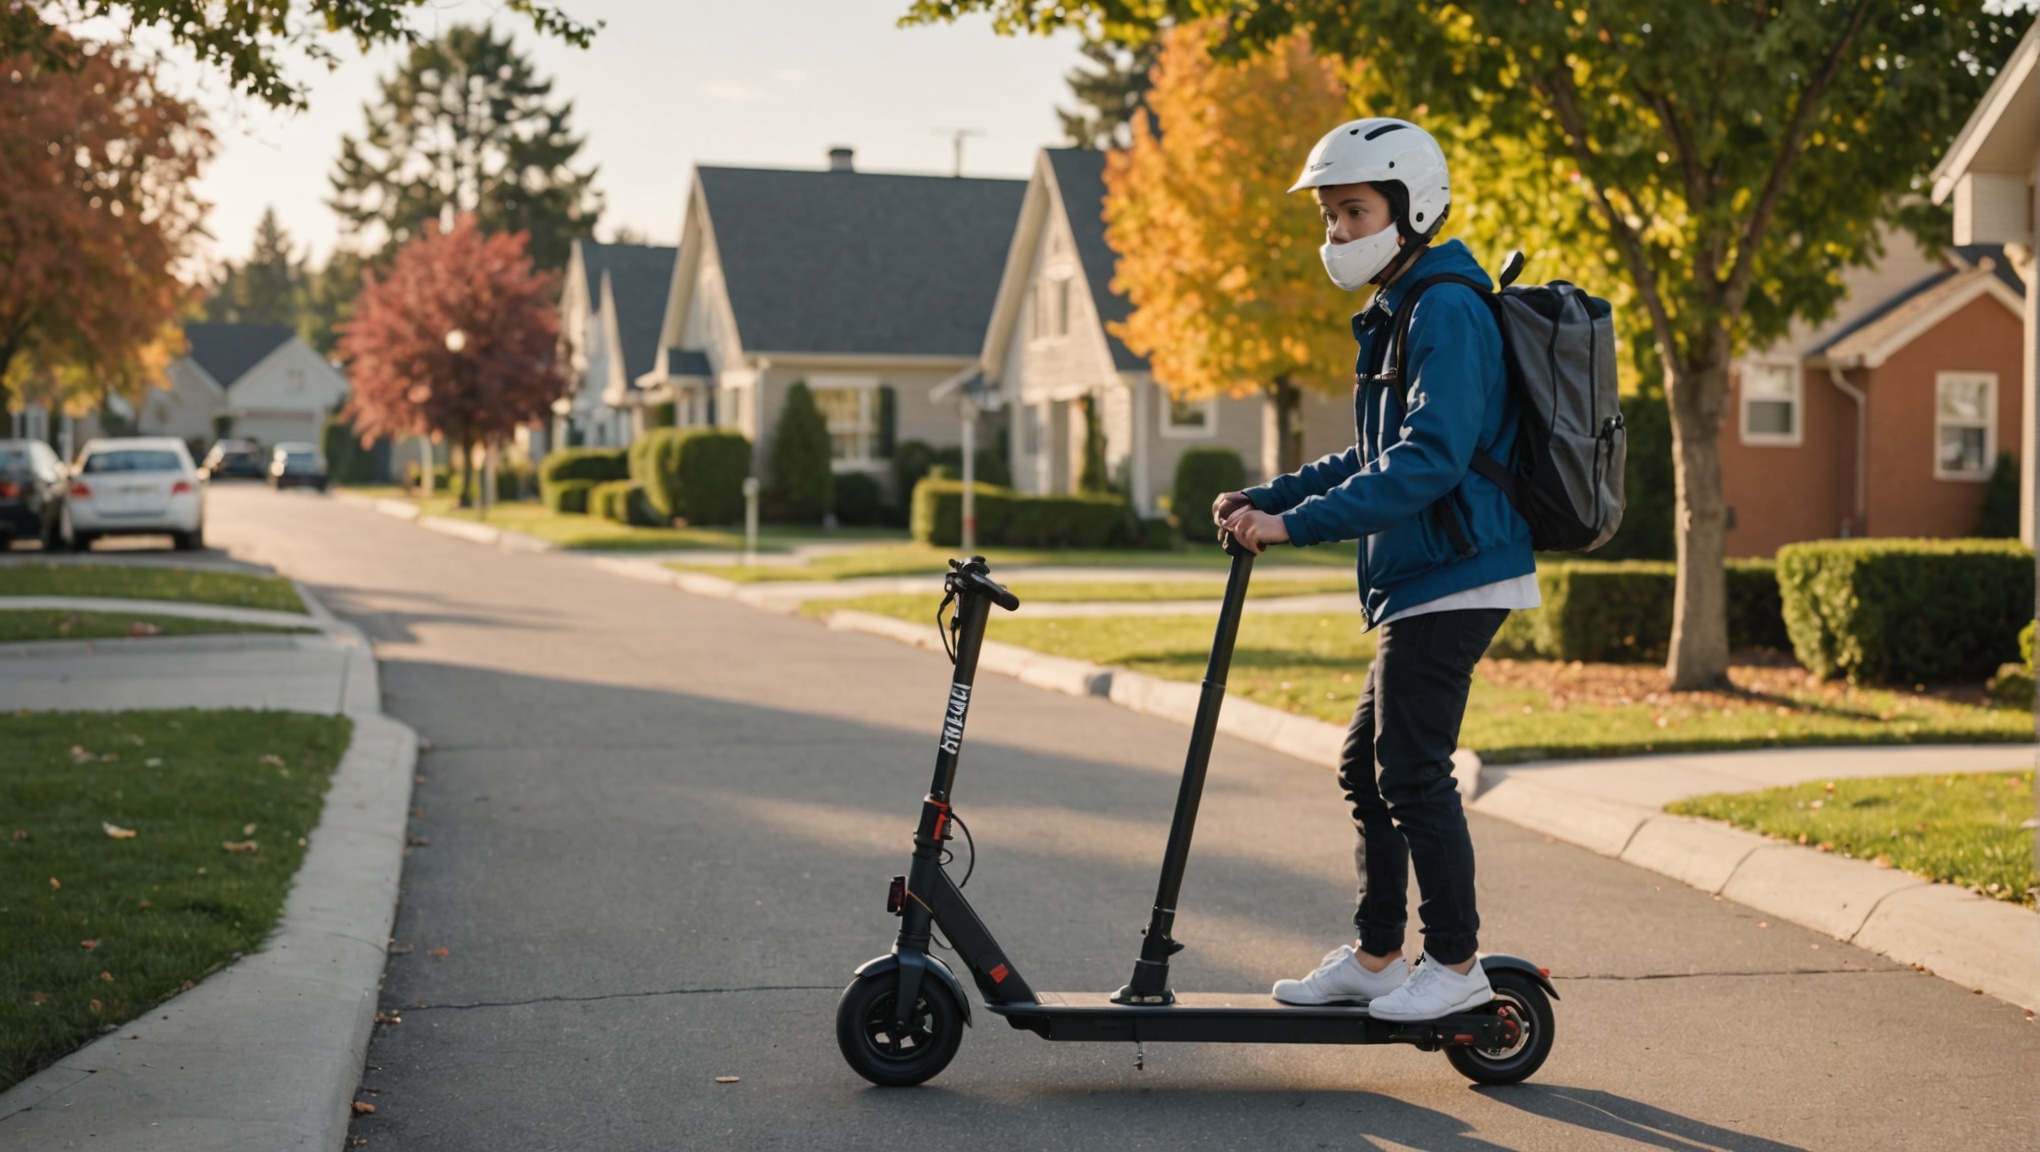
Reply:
x=1006, y=517
x=595, y=465
x=860, y=501
x=692, y=473
x=1894, y=611
x=1201, y=475
x=569, y=496
x=1621, y=611
x=622, y=501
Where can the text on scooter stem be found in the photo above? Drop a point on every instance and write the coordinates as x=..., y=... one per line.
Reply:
x=952, y=724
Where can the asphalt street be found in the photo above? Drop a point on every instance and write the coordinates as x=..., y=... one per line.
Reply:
x=653, y=833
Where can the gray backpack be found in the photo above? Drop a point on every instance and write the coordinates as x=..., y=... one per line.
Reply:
x=1558, y=344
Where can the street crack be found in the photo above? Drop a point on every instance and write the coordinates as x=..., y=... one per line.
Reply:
x=1741, y=972
x=622, y=996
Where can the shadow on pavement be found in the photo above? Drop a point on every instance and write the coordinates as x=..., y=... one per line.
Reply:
x=1619, y=1116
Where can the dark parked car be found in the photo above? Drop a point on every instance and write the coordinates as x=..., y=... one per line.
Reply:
x=235, y=460
x=296, y=465
x=32, y=485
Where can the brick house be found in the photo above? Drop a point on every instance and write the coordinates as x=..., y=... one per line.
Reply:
x=1886, y=420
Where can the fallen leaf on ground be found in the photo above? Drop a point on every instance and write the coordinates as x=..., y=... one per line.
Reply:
x=388, y=1018
x=143, y=905
x=154, y=762
x=272, y=759
x=144, y=628
x=419, y=842
x=88, y=945
x=440, y=952
x=361, y=1109
x=55, y=884
x=117, y=832
x=240, y=845
x=106, y=976
x=1763, y=923
x=39, y=997
x=247, y=829
x=727, y=1079
x=96, y=1006
x=188, y=986
x=21, y=833
x=81, y=755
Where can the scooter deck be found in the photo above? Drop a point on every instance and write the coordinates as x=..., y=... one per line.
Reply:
x=1243, y=1018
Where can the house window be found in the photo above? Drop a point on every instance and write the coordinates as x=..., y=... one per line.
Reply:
x=1965, y=425
x=1189, y=419
x=1051, y=312
x=1771, y=404
x=852, y=416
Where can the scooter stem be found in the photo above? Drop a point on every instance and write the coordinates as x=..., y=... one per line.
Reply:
x=1150, y=983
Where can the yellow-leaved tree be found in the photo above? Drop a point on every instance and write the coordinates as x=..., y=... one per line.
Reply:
x=1218, y=260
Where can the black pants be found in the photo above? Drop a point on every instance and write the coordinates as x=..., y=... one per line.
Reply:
x=1397, y=773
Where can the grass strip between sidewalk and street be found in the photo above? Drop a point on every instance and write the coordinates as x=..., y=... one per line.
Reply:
x=1956, y=829
x=1519, y=710
x=903, y=558
x=25, y=624
x=575, y=531
x=139, y=852
x=150, y=582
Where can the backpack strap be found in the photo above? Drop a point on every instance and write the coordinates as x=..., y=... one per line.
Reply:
x=1495, y=472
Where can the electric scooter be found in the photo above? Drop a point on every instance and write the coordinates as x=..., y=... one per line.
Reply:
x=900, y=1021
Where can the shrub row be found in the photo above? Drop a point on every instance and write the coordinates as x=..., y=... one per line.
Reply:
x=567, y=495
x=593, y=465
x=1006, y=517
x=1201, y=475
x=1622, y=611
x=692, y=473
x=1887, y=611
x=622, y=501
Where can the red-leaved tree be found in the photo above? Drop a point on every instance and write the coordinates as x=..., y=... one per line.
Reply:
x=456, y=340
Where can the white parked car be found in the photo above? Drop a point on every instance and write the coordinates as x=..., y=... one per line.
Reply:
x=132, y=486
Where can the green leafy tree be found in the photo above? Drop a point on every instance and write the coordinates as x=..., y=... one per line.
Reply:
x=466, y=126
x=802, y=483
x=269, y=288
x=1727, y=161
x=1107, y=93
x=251, y=40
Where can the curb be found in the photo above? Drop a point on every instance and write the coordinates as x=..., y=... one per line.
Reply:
x=178, y=608
x=473, y=533
x=268, y=1052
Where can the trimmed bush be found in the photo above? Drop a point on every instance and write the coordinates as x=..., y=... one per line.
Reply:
x=1890, y=611
x=693, y=473
x=595, y=465
x=1157, y=533
x=569, y=496
x=1006, y=517
x=622, y=501
x=1201, y=475
x=802, y=483
x=859, y=501
x=1621, y=612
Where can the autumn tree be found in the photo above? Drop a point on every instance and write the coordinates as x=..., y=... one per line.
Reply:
x=466, y=125
x=456, y=340
x=97, y=209
x=250, y=39
x=1731, y=160
x=267, y=288
x=1218, y=260
x=1107, y=93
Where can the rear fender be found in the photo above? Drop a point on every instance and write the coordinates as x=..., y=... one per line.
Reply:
x=890, y=962
x=1500, y=963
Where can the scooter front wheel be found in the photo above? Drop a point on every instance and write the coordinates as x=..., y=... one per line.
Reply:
x=879, y=1049
x=1519, y=999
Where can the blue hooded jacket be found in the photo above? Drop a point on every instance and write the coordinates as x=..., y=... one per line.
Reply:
x=1407, y=479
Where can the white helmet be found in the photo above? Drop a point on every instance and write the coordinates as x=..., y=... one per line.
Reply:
x=1384, y=150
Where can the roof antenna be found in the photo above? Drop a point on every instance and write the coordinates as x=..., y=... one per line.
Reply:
x=957, y=137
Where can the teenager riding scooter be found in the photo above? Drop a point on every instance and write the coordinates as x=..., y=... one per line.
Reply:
x=1443, y=558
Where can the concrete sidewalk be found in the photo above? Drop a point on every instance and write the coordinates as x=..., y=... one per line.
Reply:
x=267, y=1053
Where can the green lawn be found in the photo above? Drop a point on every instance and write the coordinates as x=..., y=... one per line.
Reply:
x=909, y=559
x=1961, y=829
x=96, y=927
x=17, y=625
x=1520, y=710
x=148, y=582
x=593, y=533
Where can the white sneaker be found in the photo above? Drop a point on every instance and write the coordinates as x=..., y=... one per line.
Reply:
x=1340, y=979
x=1433, y=990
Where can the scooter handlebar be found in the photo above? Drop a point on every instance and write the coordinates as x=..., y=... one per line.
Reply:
x=998, y=593
x=1232, y=546
x=973, y=572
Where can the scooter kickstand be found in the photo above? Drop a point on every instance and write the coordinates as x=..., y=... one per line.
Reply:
x=1139, y=1056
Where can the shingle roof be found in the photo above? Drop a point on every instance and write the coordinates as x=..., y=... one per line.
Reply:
x=686, y=362
x=639, y=275
x=860, y=262
x=1080, y=175
x=227, y=351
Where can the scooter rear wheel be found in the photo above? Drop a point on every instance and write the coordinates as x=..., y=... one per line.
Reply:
x=879, y=1049
x=1517, y=997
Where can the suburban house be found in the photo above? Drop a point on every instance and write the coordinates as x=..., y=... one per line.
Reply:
x=1989, y=173
x=257, y=382
x=611, y=307
x=1049, y=348
x=872, y=288
x=1887, y=419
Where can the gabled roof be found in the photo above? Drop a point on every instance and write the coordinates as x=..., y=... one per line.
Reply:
x=228, y=351
x=1080, y=179
x=1879, y=333
x=859, y=262
x=633, y=280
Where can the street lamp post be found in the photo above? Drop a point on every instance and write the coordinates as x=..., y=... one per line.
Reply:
x=750, y=520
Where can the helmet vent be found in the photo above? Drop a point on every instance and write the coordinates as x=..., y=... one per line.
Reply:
x=1384, y=130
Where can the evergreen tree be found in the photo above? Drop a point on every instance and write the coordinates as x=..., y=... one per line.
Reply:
x=2000, y=514
x=802, y=484
x=1107, y=94
x=465, y=126
x=268, y=289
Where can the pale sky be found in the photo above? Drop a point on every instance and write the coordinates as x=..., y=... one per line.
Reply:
x=671, y=83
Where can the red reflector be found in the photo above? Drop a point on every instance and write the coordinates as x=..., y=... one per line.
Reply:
x=10, y=491
x=1463, y=1038
x=1545, y=972
x=81, y=490
x=180, y=488
x=999, y=974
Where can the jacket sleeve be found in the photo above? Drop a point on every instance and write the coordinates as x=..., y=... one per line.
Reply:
x=1454, y=354
x=1313, y=479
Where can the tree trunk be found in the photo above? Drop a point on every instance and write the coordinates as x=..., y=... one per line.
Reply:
x=1698, y=393
x=1288, y=425
x=467, y=469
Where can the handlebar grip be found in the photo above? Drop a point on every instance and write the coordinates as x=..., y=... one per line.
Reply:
x=1000, y=596
x=1232, y=547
